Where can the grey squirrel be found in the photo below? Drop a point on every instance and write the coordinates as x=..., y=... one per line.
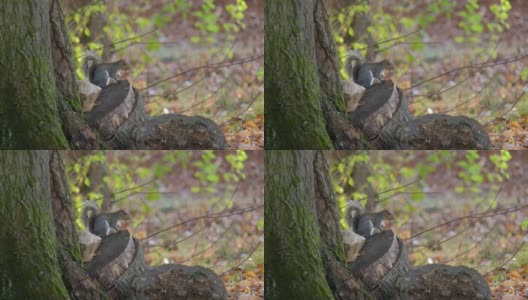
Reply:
x=103, y=74
x=365, y=223
x=363, y=73
x=101, y=224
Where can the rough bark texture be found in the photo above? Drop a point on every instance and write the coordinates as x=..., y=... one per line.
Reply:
x=377, y=108
x=437, y=131
x=401, y=116
x=63, y=65
x=114, y=106
x=294, y=265
x=380, y=253
x=78, y=283
x=136, y=267
x=112, y=259
x=402, y=266
x=76, y=129
x=172, y=131
x=342, y=133
x=304, y=250
x=29, y=266
x=294, y=116
x=29, y=117
x=442, y=282
x=178, y=282
x=304, y=97
x=137, y=117
x=341, y=282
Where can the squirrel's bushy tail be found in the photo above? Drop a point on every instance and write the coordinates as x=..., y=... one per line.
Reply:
x=89, y=211
x=90, y=61
x=353, y=63
x=353, y=211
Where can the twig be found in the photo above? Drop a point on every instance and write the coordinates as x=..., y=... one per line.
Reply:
x=212, y=216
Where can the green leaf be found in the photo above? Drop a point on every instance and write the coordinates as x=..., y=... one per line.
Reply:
x=524, y=224
x=524, y=74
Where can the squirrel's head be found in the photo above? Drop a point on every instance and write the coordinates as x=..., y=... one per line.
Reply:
x=388, y=64
x=388, y=215
x=387, y=68
x=123, y=215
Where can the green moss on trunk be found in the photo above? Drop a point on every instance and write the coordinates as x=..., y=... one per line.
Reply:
x=294, y=116
x=28, y=98
x=28, y=246
x=294, y=266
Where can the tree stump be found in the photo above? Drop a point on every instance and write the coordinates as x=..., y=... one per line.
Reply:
x=377, y=257
x=378, y=105
x=113, y=108
x=401, y=116
x=442, y=282
x=112, y=259
x=121, y=120
x=402, y=266
x=178, y=282
x=135, y=268
x=384, y=119
x=137, y=117
x=383, y=259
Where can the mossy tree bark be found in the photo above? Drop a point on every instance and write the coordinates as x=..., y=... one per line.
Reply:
x=39, y=249
x=29, y=116
x=39, y=97
x=304, y=248
x=29, y=248
x=293, y=109
x=304, y=98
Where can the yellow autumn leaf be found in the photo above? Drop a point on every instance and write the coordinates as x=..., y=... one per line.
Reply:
x=251, y=124
x=250, y=274
x=515, y=274
x=515, y=124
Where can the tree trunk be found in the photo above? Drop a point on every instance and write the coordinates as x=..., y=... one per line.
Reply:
x=96, y=24
x=96, y=175
x=360, y=23
x=304, y=248
x=361, y=173
x=29, y=116
x=77, y=281
x=28, y=258
x=77, y=131
x=293, y=106
x=39, y=248
x=304, y=98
